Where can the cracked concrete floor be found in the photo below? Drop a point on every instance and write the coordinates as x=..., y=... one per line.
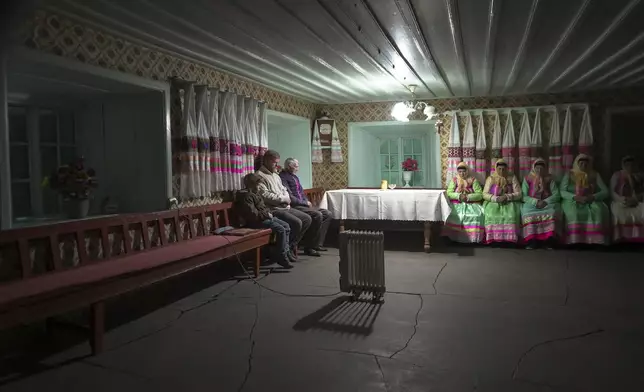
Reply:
x=485, y=320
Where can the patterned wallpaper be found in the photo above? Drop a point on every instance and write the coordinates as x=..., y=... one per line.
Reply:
x=69, y=38
x=65, y=37
x=335, y=175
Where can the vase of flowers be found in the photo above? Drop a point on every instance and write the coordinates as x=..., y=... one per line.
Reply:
x=74, y=182
x=409, y=166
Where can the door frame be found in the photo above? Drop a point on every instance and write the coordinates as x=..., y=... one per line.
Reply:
x=294, y=118
x=608, y=114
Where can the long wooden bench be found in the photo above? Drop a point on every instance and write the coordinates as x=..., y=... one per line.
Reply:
x=49, y=270
x=314, y=195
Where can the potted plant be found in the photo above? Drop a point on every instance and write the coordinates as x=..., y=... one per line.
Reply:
x=409, y=166
x=74, y=183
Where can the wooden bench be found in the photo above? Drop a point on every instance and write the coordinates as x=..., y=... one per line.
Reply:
x=314, y=195
x=63, y=267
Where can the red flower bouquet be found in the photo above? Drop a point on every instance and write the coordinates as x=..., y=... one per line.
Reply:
x=410, y=165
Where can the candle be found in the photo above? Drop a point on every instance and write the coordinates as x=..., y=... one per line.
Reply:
x=383, y=185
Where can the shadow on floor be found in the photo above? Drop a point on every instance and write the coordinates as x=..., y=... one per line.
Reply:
x=342, y=315
x=25, y=348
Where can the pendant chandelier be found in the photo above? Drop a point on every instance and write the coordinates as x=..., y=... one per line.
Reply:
x=403, y=110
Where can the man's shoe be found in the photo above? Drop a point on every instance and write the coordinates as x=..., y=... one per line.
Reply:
x=320, y=249
x=311, y=252
x=292, y=258
x=285, y=264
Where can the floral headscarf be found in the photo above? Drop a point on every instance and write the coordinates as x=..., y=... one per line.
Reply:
x=582, y=178
x=497, y=179
x=627, y=182
x=462, y=183
x=539, y=181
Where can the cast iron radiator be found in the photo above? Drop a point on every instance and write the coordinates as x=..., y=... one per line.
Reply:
x=362, y=263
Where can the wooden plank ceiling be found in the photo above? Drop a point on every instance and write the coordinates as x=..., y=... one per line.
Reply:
x=339, y=51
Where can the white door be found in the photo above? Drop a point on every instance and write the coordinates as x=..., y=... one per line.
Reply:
x=291, y=137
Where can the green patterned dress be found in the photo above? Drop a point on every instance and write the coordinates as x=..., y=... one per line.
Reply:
x=584, y=223
x=465, y=222
x=502, y=220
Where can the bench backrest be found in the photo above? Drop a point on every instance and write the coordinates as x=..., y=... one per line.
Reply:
x=314, y=195
x=25, y=252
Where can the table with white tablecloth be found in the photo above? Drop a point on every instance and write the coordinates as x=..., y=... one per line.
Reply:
x=411, y=205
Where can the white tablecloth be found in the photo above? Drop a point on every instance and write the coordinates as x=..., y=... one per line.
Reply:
x=398, y=204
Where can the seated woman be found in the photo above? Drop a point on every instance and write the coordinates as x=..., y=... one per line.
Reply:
x=465, y=222
x=627, y=190
x=502, y=195
x=585, y=214
x=541, y=212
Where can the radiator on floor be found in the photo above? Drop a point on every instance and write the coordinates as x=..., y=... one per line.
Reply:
x=362, y=263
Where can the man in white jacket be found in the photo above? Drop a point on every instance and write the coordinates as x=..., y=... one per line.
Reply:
x=278, y=199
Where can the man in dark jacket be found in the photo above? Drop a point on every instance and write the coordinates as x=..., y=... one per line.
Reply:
x=320, y=218
x=251, y=208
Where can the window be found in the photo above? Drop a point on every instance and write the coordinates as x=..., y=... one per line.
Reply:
x=396, y=150
x=40, y=140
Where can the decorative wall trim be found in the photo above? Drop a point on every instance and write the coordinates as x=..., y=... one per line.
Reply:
x=62, y=36
x=335, y=175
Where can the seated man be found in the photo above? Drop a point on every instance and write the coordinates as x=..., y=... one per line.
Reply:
x=583, y=193
x=627, y=190
x=321, y=218
x=502, y=195
x=277, y=198
x=251, y=208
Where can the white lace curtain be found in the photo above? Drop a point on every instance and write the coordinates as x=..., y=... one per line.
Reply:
x=221, y=134
x=558, y=145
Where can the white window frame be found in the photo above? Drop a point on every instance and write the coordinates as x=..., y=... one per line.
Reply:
x=402, y=157
x=36, y=175
x=362, y=144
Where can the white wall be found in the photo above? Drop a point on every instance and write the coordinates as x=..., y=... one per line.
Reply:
x=364, y=161
x=364, y=164
x=291, y=137
x=123, y=138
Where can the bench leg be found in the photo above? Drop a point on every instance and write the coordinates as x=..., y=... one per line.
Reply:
x=427, y=229
x=97, y=327
x=258, y=259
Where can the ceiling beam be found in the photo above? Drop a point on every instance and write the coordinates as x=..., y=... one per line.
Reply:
x=616, y=70
x=490, y=43
x=563, y=39
x=521, y=51
x=457, y=41
x=276, y=33
x=149, y=40
x=602, y=37
x=341, y=29
x=627, y=75
x=608, y=60
x=268, y=63
x=409, y=16
x=328, y=45
x=393, y=45
x=325, y=81
x=637, y=80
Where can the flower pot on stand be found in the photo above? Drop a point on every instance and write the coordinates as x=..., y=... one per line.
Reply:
x=76, y=208
x=407, y=178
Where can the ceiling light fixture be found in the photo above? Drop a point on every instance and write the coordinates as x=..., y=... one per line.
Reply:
x=402, y=110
